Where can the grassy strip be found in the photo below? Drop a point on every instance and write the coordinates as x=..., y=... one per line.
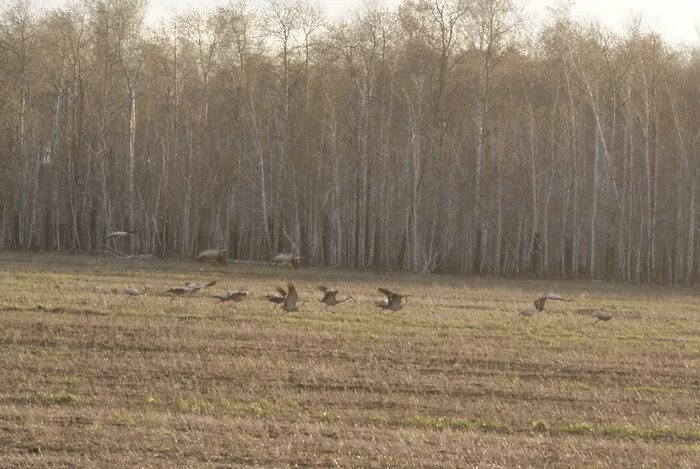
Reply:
x=630, y=431
x=440, y=423
x=574, y=428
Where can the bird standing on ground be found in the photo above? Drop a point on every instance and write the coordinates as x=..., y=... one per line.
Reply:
x=393, y=302
x=602, y=315
x=214, y=256
x=329, y=297
x=528, y=313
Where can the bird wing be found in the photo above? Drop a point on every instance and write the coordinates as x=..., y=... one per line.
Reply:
x=283, y=257
x=553, y=296
x=385, y=292
x=211, y=254
x=209, y=284
x=117, y=235
x=204, y=254
x=282, y=292
x=275, y=298
x=113, y=235
x=539, y=303
x=395, y=299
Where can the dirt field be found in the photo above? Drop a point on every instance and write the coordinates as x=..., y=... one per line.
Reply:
x=92, y=378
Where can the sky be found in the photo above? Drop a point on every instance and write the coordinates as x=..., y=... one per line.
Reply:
x=677, y=21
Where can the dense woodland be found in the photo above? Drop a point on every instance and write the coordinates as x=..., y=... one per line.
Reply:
x=441, y=136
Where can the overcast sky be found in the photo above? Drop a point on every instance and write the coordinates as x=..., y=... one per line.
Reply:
x=678, y=21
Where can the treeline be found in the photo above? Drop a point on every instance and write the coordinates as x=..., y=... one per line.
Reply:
x=445, y=135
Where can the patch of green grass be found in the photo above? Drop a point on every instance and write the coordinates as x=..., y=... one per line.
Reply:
x=439, y=423
x=66, y=398
x=578, y=428
x=62, y=398
x=540, y=426
x=646, y=389
x=428, y=422
x=630, y=431
x=196, y=404
x=260, y=407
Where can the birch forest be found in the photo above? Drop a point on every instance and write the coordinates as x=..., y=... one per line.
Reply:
x=449, y=136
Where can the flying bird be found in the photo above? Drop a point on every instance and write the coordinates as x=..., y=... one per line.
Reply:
x=117, y=235
x=287, y=259
x=330, y=297
x=287, y=298
x=131, y=291
x=539, y=304
x=195, y=287
x=552, y=297
x=392, y=302
x=178, y=290
x=215, y=256
x=235, y=296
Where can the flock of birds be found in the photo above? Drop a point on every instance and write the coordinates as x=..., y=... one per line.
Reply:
x=288, y=299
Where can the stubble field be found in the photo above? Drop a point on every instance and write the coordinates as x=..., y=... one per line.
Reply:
x=92, y=378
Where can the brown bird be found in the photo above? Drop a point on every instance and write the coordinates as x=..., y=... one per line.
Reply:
x=287, y=259
x=131, y=291
x=235, y=296
x=329, y=297
x=393, y=301
x=603, y=315
x=215, y=256
x=117, y=235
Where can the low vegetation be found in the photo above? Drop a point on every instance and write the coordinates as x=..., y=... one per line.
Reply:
x=94, y=378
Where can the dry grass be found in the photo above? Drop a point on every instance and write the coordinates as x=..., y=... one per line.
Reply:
x=95, y=379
